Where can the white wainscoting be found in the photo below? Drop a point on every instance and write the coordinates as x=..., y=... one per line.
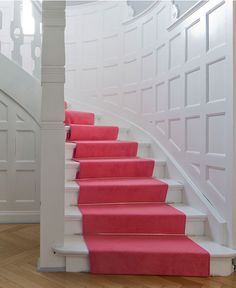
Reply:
x=19, y=140
x=174, y=81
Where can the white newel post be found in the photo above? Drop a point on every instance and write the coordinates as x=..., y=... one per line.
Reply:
x=52, y=134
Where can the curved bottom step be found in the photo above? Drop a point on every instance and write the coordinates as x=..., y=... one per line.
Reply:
x=77, y=255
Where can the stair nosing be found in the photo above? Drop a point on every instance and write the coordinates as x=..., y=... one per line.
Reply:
x=77, y=215
x=72, y=249
x=177, y=185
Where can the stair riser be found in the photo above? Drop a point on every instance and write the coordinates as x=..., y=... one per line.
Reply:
x=72, y=227
x=218, y=266
x=70, y=172
x=193, y=228
x=124, y=134
x=159, y=172
x=77, y=263
x=143, y=151
x=174, y=195
x=71, y=198
x=69, y=153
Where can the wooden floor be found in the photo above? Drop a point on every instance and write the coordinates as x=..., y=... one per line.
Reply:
x=19, y=251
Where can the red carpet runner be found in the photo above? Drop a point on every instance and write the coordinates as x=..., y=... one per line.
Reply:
x=127, y=226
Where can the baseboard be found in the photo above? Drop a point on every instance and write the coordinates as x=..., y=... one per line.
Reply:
x=19, y=217
x=49, y=269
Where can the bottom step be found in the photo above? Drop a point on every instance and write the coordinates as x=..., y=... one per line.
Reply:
x=77, y=258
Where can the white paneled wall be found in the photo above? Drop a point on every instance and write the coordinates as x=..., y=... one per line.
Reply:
x=174, y=79
x=19, y=139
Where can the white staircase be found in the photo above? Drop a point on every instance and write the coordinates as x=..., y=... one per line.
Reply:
x=74, y=249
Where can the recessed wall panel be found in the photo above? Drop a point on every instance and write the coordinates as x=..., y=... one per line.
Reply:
x=148, y=33
x=91, y=26
x=3, y=145
x=3, y=112
x=25, y=146
x=147, y=67
x=148, y=100
x=130, y=41
x=111, y=19
x=111, y=76
x=130, y=72
x=3, y=185
x=161, y=60
x=175, y=93
x=70, y=53
x=161, y=24
x=194, y=41
x=193, y=88
x=111, y=47
x=161, y=97
x=216, y=129
x=89, y=79
x=176, y=51
x=217, y=27
x=216, y=86
x=26, y=189
x=90, y=54
x=132, y=101
x=193, y=130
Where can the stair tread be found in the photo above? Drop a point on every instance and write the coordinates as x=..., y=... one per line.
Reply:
x=121, y=159
x=191, y=213
x=72, y=145
x=112, y=159
x=71, y=163
x=75, y=245
x=171, y=182
x=121, y=129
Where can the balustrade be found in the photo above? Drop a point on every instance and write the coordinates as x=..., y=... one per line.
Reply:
x=20, y=33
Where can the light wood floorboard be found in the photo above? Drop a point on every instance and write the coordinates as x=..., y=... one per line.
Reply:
x=19, y=251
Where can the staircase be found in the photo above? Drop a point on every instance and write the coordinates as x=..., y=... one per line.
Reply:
x=129, y=222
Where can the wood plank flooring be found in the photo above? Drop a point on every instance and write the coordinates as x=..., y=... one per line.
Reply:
x=19, y=251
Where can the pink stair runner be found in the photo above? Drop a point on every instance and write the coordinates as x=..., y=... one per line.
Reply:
x=127, y=226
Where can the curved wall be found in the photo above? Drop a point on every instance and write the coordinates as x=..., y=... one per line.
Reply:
x=174, y=79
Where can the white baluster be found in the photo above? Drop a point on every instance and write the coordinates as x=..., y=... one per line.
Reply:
x=36, y=42
x=17, y=35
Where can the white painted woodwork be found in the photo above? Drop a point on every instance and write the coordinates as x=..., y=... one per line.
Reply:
x=77, y=260
x=20, y=35
x=52, y=152
x=19, y=170
x=170, y=79
x=19, y=143
x=233, y=165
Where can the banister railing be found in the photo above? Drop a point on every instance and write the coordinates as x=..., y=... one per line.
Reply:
x=20, y=33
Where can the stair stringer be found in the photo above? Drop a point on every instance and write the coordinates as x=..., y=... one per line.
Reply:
x=216, y=227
